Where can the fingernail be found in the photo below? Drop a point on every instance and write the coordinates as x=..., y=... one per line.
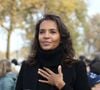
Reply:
x=38, y=71
x=59, y=66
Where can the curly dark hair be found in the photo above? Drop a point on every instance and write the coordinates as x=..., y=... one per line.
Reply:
x=65, y=40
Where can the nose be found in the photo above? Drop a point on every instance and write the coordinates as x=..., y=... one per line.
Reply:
x=47, y=35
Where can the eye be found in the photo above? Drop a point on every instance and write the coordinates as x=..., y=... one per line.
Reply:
x=53, y=31
x=41, y=31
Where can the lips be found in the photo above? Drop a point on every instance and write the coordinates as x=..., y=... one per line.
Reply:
x=46, y=43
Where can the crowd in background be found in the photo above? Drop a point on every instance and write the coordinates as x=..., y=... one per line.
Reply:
x=8, y=74
x=93, y=71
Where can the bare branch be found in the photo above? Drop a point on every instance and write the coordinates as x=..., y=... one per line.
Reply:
x=4, y=27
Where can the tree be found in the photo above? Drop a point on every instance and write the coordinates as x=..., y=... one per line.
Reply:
x=72, y=12
x=21, y=15
x=93, y=33
x=7, y=14
x=15, y=13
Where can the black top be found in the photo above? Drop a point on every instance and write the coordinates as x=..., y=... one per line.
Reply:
x=74, y=76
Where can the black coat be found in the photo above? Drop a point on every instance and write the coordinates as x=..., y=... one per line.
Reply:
x=75, y=77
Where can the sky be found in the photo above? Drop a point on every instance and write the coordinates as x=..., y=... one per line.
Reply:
x=16, y=40
x=93, y=7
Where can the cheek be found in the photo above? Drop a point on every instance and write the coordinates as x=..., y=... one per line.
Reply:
x=57, y=41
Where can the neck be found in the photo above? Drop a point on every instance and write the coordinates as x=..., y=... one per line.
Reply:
x=51, y=57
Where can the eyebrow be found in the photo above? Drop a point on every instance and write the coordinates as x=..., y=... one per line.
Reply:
x=49, y=29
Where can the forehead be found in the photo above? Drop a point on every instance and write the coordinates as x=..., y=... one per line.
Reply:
x=48, y=24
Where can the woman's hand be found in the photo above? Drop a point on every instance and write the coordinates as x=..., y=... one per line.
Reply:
x=52, y=78
x=96, y=87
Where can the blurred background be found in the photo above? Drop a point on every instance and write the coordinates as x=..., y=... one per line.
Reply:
x=18, y=19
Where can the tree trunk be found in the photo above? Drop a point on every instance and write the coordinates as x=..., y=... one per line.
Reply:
x=8, y=45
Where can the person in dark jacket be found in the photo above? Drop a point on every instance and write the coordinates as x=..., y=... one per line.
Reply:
x=93, y=78
x=51, y=64
x=95, y=65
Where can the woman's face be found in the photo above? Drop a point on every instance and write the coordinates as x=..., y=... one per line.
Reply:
x=49, y=36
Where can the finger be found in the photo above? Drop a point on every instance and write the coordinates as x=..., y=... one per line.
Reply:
x=43, y=71
x=43, y=75
x=49, y=71
x=43, y=81
x=60, y=69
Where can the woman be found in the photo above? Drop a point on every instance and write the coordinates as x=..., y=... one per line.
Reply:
x=51, y=64
x=7, y=77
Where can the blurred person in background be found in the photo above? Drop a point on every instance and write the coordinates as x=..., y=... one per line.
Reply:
x=7, y=77
x=93, y=77
x=94, y=74
x=95, y=65
x=94, y=80
x=15, y=65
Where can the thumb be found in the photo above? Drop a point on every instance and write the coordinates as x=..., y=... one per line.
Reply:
x=60, y=69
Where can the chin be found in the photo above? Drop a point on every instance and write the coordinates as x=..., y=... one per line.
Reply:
x=47, y=48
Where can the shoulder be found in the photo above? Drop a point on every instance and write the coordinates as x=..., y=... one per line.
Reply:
x=7, y=81
x=11, y=76
x=75, y=64
x=1, y=80
x=79, y=66
x=26, y=66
